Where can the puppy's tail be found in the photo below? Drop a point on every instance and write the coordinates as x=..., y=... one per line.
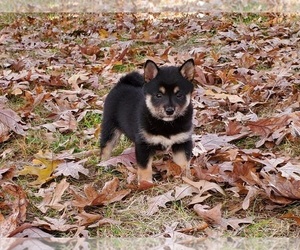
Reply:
x=135, y=79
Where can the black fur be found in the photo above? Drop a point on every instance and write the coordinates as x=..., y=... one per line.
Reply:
x=126, y=110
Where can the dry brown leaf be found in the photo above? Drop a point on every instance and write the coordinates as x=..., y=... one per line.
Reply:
x=71, y=168
x=85, y=218
x=54, y=224
x=127, y=158
x=184, y=190
x=280, y=189
x=291, y=216
x=12, y=120
x=214, y=216
x=14, y=205
x=290, y=171
x=204, y=186
x=92, y=197
x=7, y=173
x=53, y=196
x=231, y=98
x=154, y=203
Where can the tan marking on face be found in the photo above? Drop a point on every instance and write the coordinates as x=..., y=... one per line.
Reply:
x=162, y=90
x=187, y=103
x=145, y=174
x=106, y=151
x=159, y=112
x=150, y=106
x=176, y=89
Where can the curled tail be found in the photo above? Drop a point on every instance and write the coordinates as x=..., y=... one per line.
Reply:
x=134, y=79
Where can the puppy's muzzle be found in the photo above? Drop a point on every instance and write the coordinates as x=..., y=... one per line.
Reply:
x=170, y=110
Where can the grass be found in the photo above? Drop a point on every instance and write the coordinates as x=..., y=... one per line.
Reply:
x=122, y=68
x=135, y=224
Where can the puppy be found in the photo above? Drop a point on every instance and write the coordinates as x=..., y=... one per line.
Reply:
x=153, y=110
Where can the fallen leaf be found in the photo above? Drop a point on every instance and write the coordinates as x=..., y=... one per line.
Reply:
x=291, y=216
x=85, y=218
x=154, y=203
x=53, y=196
x=290, y=171
x=107, y=195
x=184, y=190
x=231, y=98
x=42, y=168
x=214, y=216
x=54, y=224
x=127, y=158
x=12, y=120
x=202, y=186
x=71, y=168
x=7, y=173
x=13, y=207
x=31, y=233
x=202, y=226
x=67, y=122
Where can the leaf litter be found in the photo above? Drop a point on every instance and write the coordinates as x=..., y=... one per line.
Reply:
x=246, y=110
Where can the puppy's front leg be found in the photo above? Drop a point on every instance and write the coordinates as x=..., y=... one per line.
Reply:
x=181, y=156
x=144, y=157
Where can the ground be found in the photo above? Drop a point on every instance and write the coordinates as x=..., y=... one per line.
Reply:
x=55, y=72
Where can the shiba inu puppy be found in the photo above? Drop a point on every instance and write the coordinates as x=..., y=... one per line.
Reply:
x=153, y=110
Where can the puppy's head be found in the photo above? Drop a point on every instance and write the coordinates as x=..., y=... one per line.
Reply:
x=168, y=89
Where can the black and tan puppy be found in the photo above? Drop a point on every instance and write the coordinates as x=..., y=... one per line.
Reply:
x=154, y=111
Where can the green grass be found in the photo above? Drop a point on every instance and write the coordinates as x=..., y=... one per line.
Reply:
x=65, y=141
x=122, y=68
x=249, y=18
x=90, y=120
x=247, y=142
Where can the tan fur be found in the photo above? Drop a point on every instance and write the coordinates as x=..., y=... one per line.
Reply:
x=106, y=151
x=164, y=141
x=162, y=90
x=160, y=113
x=145, y=174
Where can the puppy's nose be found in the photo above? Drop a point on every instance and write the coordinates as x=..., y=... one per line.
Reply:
x=170, y=110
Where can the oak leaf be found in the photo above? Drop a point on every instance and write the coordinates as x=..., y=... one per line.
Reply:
x=107, y=195
x=159, y=201
x=127, y=158
x=12, y=120
x=214, y=216
x=203, y=186
x=43, y=167
x=290, y=171
x=54, y=224
x=13, y=198
x=71, y=168
x=231, y=98
x=52, y=196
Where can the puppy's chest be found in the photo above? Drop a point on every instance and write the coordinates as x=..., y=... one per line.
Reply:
x=165, y=141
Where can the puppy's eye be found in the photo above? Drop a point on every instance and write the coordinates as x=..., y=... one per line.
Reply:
x=158, y=95
x=179, y=95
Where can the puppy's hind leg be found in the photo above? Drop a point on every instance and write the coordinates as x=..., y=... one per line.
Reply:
x=109, y=138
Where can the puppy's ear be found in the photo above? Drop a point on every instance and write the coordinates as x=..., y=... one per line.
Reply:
x=150, y=70
x=187, y=69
